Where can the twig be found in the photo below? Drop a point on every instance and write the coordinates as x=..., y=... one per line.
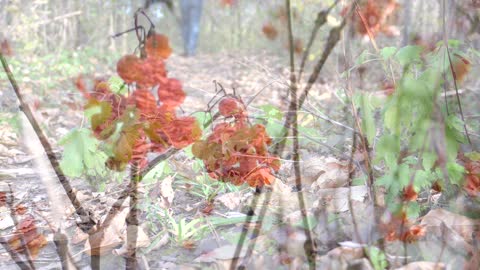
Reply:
x=86, y=220
x=14, y=255
x=132, y=220
x=309, y=246
x=21, y=235
x=319, y=22
x=445, y=41
x=333, y=38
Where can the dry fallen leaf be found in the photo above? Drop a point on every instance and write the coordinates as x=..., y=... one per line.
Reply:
x=79, y=236
x=27, y=231
x=336, y=199
x=231, y=200
x=142, y=241
x=464, y=226
x=346, y=253
x=422, y=266
x=222, y=253
x=111, y=237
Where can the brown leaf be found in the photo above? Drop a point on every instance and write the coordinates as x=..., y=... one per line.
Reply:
x=464, y=226
x=423, y=266
x=270, y=31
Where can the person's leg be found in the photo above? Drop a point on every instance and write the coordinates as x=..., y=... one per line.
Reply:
x=195, y=13
x=185, y=10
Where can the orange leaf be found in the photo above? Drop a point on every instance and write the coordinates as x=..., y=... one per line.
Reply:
x=5, y=48
x=461, y=67
x=145, y=102
x=270, y=31
x=183, y=132
x=129, y=68
x=409, y=194
x=3, y=198
x=27, y=231
x=157, y=46
x=231, y=107
x=260, y=177
x=171, y=94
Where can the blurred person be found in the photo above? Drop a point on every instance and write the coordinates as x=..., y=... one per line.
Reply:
x=191, y=11
x=191, y=14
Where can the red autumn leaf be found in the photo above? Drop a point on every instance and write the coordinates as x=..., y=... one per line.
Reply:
x=227, y=2
x=26, y=233
x=409, y=194
x=81, y=86
x=231, y=107
x=298, y=46
x=412, y=234
x=129, y=68
x=260, y=177
x=472, y=177
x=20, y=209
x=171, y=94
x=139, y=153
x=157, y=46
x=182, y=132
x=5, y=48
x=3, y=198
x=270, y=31
x=208, y=208
x=400, y=228
x=371, y=17
x=461, y=67
x=145, y=102
x=389, y=88
x=154, y=70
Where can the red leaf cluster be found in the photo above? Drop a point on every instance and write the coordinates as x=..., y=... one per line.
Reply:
x=279, y=17
x=461, y=67
x=472, y=177
x=371, y=17
x=400, y=228
x=26, y=232
x=409, y=194
x=5, y=48
x=3, y=198
x=269, y=31
x=227, y=2
x=236, y=151
x=139, y=123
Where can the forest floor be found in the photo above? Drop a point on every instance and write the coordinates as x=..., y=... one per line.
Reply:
x=180, y=229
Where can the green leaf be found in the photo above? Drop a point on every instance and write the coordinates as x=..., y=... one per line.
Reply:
x=156, y=173
x=272, y=111
x=455, y=172
x=377, y=258
x=81, y=154
x=475, y=156
x=362, y=58
x=117, y=85
x=408, y=55
x=428, y=160
x=98, y=112
x=368, y=123
x=387, y=149
x=203, y=118
x=413, y=210
x=388, y=52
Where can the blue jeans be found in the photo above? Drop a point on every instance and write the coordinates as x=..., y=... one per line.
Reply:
x=191, y=14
